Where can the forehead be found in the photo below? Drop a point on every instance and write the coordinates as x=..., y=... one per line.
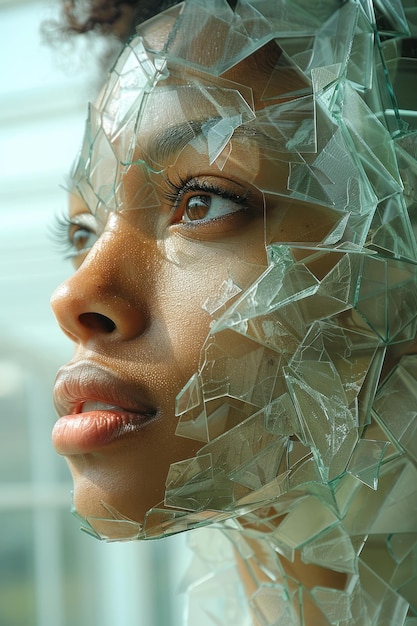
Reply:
x=213, y=87
x=149, y=92
x=168, y=53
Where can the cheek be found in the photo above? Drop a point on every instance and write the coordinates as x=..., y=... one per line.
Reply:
x=291, y=221
x=201, y=276
x=182, y=315
x=191, y=298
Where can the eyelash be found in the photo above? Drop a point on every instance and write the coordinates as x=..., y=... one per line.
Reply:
x=178, y=192
x=62, y=223
x=60, y=235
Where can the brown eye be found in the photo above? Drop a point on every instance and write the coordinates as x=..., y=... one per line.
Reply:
x=211, y=206
x=76, y=234
x=83, y=232
x=197, y=208
x=82, y=239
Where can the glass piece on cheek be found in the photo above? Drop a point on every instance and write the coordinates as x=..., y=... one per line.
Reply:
x=302, y=465
x=366, y=461
x=325, y=84
x=401, y=385
x=391, y=508
x=342, y=355
x=374, y=145
x=281, y=416
x=324, y=379
x=189, y=397
x=332, y=549
x=263, y=469
x=387, y=298
x=329, y=294
x=402, y=546
x=225, y=413
x=277, y=285
x=248, y=501
x=273, y=606
x=332, y=178
x=384, y=605
x=228, y=289
x=326, y=425
x=191, y=484
x=391, y=231
x=237, y=452
x=295, y=532
x=210, y=419
x=406, y=148
x=240, y=368
x=360, y=65
x=335, y=604
x=193, y=424
x=192, y=412
x=279, y=307
x=270, y=330
x=394, y=12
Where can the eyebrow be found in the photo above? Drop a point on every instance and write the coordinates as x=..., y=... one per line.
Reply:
x=169, y=141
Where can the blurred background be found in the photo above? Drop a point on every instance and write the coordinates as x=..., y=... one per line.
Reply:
x=51, y=574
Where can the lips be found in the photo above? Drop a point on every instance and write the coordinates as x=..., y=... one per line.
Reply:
x=96, y=407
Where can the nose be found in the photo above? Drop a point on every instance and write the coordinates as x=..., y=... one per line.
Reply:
x=103, y=300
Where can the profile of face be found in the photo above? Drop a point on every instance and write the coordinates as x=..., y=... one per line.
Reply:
x=229, y=308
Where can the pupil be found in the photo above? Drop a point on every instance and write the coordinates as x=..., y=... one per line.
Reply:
x=80, y=238
x=198, y=207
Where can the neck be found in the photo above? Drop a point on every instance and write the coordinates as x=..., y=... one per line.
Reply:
x=276, y=586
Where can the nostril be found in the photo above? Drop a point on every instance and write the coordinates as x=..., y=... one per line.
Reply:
x=97, y=322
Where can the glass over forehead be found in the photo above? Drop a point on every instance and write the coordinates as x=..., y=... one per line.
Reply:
x=191, y=79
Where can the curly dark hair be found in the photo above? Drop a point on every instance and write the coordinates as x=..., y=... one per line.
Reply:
x=109, y=17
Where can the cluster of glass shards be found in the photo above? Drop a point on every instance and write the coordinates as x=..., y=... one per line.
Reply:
x=305, y=398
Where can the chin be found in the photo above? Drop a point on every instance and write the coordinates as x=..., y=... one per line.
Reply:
x=107, y=506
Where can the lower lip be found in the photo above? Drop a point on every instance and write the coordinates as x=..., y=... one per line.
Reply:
x=85, y=432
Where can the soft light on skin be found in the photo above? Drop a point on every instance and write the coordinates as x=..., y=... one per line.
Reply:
x=189, y=182
x=150, y=274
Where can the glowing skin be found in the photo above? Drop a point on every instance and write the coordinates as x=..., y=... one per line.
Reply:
x=134, y=305
x=245, y=290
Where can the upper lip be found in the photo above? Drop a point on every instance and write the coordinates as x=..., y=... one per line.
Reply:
x=79, y=382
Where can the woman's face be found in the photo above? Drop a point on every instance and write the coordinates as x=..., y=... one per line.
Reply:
x=192, y=191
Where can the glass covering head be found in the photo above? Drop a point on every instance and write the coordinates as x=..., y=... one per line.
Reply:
x=263, y=173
